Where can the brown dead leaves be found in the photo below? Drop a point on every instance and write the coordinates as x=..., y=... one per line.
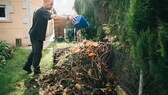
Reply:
x=85, y=70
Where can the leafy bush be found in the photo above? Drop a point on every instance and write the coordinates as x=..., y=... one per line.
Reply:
x=4, y=53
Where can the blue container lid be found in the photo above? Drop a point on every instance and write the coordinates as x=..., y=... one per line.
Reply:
x=80, y=22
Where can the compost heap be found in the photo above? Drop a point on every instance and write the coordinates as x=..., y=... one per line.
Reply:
x=81, y=70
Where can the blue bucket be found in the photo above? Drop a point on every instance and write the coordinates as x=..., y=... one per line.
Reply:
x=80, y=22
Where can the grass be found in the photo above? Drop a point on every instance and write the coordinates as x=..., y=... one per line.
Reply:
x=12, y=76
x=14, y=81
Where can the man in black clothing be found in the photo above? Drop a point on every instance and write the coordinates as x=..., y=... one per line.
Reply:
x=37, y=34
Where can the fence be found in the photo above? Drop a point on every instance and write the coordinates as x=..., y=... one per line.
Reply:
x=126, y=76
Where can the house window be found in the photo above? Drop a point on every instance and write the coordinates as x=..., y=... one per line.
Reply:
x=2, y=12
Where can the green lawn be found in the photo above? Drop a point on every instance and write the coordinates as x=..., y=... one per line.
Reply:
x=12, y=76
x=14, y=81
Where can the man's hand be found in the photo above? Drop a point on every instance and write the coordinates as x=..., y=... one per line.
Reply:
x=72, y=18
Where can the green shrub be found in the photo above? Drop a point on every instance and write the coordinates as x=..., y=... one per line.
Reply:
x=4, y=53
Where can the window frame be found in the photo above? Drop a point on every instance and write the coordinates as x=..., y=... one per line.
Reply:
x=3, y=18
x=8, y=11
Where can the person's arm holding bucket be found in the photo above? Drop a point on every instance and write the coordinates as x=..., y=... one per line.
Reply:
x=62, y=19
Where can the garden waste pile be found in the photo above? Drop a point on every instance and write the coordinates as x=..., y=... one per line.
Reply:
x=82, y=70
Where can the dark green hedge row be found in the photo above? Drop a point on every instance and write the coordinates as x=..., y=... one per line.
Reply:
x=140, y=24
x=148, y=33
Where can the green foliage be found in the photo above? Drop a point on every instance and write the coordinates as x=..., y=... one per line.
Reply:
x=148, y=40
x=85, y=8
x=118, y=11
x=137, y=46
x=161, y=74
x=4, y=53
x=100, y=12
x=100, y=34
x=140, y=18
x=160, y=9
x=163, y=40
x=96, y=12
x=4, y=49
x=141, y=24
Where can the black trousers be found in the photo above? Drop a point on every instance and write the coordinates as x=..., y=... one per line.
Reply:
x=35, y=55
